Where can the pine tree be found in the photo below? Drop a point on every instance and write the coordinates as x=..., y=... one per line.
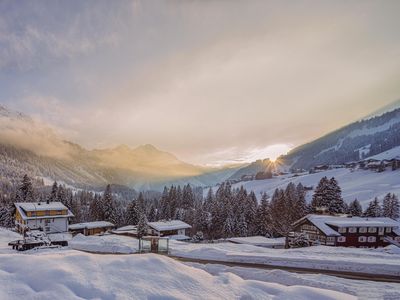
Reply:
x=242, y=228
x=355, y=208
x=374, y=209
x=320, y=199
x=263, y=219
x=25, y=190
x=301, y=207
x=61, y=195
x=391, y=206
x=336, y=204
x=132, y=217
x=142, y=218
x=109, y=206
x=53, y=194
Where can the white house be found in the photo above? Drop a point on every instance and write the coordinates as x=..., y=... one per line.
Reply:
x=169, y=228
x=51, y=217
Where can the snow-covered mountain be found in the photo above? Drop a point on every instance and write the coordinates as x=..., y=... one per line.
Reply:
x=28, y=146
x=354, y=142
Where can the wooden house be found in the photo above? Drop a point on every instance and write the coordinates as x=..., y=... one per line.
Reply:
x=347, y=231
x=91, y=228
x=50, y=217
x=175, y=229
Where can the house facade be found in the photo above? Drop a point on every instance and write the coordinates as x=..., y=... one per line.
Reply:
x=171, y=228
x=91, y=228
x=345, y=231
x=50, y=217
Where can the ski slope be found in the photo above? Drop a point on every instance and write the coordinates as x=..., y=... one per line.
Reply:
x=361, y=184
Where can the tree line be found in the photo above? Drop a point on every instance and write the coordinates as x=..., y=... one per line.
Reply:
x=223, y=212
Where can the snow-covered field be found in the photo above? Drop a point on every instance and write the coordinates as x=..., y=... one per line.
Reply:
x=70, y=274
x=361, y=184
x=371, y=261
x=108, y=243
x=362, y=289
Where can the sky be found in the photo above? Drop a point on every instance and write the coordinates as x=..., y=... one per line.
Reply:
x=213, y=82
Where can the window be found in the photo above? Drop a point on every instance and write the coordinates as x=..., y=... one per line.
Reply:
x=397, y=238
x=371, y=239
x=341, y=239
x=372, y=229
x=59, y=212
x=362, y=239
x=388, y=229
x=330, y=239
x=342, y=229
x=381, y=230
x=353, y=229
x=363, y=229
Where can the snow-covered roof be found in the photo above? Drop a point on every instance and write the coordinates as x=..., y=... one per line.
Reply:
x=362, y=222
x=25, y=217
x=169, y=225
x=90, y=225
x=322, y=222
x=35, y=206
x=258, y=241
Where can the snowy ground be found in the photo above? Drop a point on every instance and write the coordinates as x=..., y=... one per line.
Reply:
x=361, y=184
x=362, y=289
x=70, y=274
x=108, y=243
x=371, y=261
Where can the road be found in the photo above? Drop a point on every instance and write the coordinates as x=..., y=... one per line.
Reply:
x=342, y=274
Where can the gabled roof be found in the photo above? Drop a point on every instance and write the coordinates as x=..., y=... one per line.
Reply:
x=20, y=206
x=322, y=222
x=35, y=206
x=90, y=225
x=169, y=225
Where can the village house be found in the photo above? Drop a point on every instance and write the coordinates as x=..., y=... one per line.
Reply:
x=50, y=217
x=345, y=231
x=175, y=229
x=91, y=228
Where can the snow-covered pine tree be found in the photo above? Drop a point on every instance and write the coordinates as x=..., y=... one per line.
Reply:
x=263, y=219
x=301, y=207
x=109, y=206
x=25, y=191
x=374, y=209
x=251, y=212
x=391, y=206
x=320, y=198
x=142, y=218
x=61, y=195
x=336, y=204
x=53, y=193
x=142, y=225
x=7, y=215
x=152, y=214
x=242, y=226
x=355, y=208
x=300, y=241
x=132, y=217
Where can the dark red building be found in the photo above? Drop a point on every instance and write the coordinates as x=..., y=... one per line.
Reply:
x=346, y=231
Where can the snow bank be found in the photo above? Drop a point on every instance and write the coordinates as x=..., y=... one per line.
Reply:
x=369, y=261
x=371, y=290
x=260, y=241
x=77, y=275
x=105, y=244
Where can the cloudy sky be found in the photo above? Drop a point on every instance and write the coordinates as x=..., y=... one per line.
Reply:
x=210, y=81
